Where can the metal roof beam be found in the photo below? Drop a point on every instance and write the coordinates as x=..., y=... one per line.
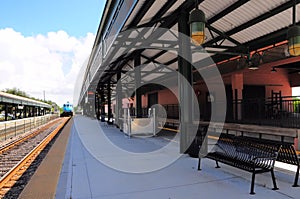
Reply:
x=227, y=11
x=224, y=35
x=146, y=6
x=187, y=6
x=266, y=40
x=256, y=20
x=149, y=60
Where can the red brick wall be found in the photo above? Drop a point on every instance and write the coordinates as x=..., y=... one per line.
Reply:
x=164, y=97
x=167, y=97
x=278, y=81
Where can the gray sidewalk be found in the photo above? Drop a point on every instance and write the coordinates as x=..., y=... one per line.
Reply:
x=85, y=172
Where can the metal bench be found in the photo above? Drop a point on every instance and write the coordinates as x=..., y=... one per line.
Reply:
x=245, y=154
x=287, y=154
x=198, y=141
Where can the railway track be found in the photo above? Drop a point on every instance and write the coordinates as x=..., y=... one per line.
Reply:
x=17, y=156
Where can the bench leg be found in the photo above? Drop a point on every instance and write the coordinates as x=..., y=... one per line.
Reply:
x=296, y=178
x=199, y=164
x=252, y=184
x=217, y=165
x=274, y=180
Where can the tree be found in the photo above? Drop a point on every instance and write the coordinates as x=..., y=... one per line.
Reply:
x=16, y=91
x=296, y=102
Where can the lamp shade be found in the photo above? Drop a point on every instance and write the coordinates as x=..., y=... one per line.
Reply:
x=197, y=25
x=294, y=40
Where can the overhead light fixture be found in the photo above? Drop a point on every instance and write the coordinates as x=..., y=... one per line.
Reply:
x=294, y=40
x=254, y=61
x=252, y=66
x=197, y=25
x=293, y=35
x=273, y=70
x=242, y=62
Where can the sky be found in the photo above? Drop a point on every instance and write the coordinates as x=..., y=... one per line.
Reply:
x=44, y=44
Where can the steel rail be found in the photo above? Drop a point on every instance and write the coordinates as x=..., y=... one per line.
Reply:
x=11, y=177
x=16, y=142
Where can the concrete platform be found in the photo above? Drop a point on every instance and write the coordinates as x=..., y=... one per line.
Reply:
x=101, y=162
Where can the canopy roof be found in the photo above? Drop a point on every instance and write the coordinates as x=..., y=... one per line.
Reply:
x=14, y=99
x=234, y=28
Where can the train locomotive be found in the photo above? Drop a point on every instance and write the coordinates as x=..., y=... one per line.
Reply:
x=67, y=110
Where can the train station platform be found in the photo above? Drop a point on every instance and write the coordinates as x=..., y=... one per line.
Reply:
x=91, y=169
x=85, y=175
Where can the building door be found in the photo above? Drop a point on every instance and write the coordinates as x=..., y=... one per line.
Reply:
x=229, y=99
x=152, y=99
x=253, y=103
x=254, y=92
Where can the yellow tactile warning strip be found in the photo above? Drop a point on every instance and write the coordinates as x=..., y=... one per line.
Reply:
x=44, y=181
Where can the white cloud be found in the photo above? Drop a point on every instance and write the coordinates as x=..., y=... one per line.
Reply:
x=40, y=63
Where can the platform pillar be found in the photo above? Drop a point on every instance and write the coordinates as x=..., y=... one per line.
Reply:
x=185, y=89
x=15, y=111
x=97, y=105
x=102, y=105
x=6, y=111
x=119, y=97
x=237, y=82
x=109, y=108
x=138, y=94
x=25, y=112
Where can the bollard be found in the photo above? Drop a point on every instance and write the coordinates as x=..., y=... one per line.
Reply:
x=129, y=122
x=154, y=122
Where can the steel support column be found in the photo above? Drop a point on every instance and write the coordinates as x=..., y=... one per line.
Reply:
x=97, y=105
x=137, y=77
x=102, y=104
x=28, y=111
x=6, y=111
x=15, y=108
x=109, y=108
x=32, y=111
x=119, y=98
x=25, y=112
x=185, y=88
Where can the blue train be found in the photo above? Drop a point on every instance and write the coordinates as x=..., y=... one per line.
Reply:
x=67, y=110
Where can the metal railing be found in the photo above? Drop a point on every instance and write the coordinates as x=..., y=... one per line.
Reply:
x=279, y=112
x=282, y=112
x=172, y=111
x=13, y=128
